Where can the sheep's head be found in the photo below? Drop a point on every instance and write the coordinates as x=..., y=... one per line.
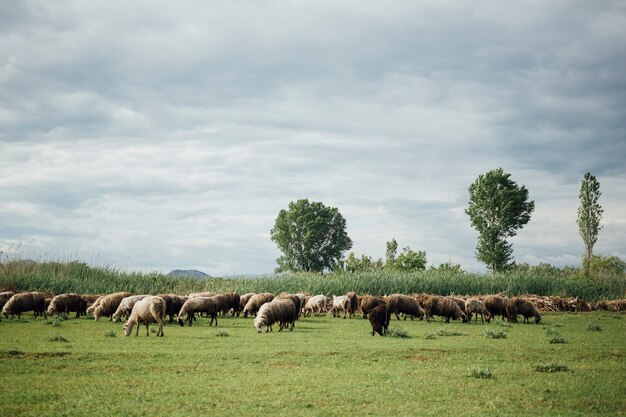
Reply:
x=127, y=329
x=181, y=321
x=6, y=314
x=537, y=318
x=259, y=328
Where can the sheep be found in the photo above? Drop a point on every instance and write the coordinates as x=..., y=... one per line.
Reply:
x=279, y=310
x=126, y=306
x=25, y=301
x=108, y=304
x=524, y=307
x=368, y=302
x=65, y=303
x=496, y=304
x=255, y=302
x=94, y=305
x=207, y=305
x=297, y=301
x=232, y=303
x=4, y=297
x=148, y=309
x=173, y=304
x=340, y=303
x=200, y=294
x=400, y=303
x=444, y=307
x=461, y=303
x=90, y=298
x=354, y=303
x=474, y=305
x=379, y=319
x=316, y=305
x=243, y=300
x=304, y=298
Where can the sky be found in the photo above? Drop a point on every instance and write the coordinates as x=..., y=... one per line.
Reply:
x=149, y=136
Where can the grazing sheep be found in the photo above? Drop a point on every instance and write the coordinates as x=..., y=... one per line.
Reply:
x=340, y=303
x=25, y=301
x=524, y=307
x=297, y=301
x=208, y=305
x=4, y=297
x=368, y=302
x=400, y=303
x=316, y=305
x=66, y=303
x=108, y=304
x=255, y=302
x=379, y=319
x=444, y=307
x=496, y=304
x=200, y=294
x=126, y=306
x=279, y=310
x=147, y=310
x=90, y=298
x=461, y=303
x=354, y=303
x=304, y=298
x=233, y=301
x=94, y=305
x=173, y=304
x=475, y=306
x=243, y=300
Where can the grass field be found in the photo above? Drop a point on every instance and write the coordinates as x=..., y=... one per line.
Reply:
x=324, y=367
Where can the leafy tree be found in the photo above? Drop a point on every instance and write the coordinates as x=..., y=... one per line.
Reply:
x=409, y=260
x=610, y=265
x=364, y=263
x=589, y=215
x=447, y=267
x=392, y=249
x=497, y=208
x=311, y=236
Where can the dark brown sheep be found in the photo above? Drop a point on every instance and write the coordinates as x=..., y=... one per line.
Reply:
x=4, y=297
x=354, y=303
x=379, y=319
x=67, y=303
x=297, y=301
x=173, y=304
x=243, y=300
x=524, y=307
x=496, y=305
x=368, y=302
x=25, y=301
x=255, y=302
x=403, y=304
x=445, y=307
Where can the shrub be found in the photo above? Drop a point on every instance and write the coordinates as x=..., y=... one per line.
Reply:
x=551, y=331
x=558, y=340
x=58, y=338
x=222, y=333
x=496, y=334
x=594, y=327
x=551, y=367
x=430, y=336
x=398, y=332
x=481, y=373
x=446, y=332
x=110, y=333
x=498, y=321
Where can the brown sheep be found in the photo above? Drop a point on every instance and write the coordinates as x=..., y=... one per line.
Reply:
x=173, y=304
x=368, y=302
x=400, y=303
x=208, y=305
x=147, y=310
x=66, y=303
x=109, y=304
x=243, y=300
x=460, y=302
x=496, y=305
x=524, y=307
x=475, y=306
x=354, y=303
x=295, y=299
x=279, y=310
x=233, y=301
x=255, y=302
x=444, y=307
x=379, y=319
x=126, y=306
x=94, y=305
x=25, y=301
x=4, y=297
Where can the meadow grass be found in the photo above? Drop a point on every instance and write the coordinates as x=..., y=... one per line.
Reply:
x=325, y=367
x=59, y=278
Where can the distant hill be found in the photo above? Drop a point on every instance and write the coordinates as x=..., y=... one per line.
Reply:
x=188, y=273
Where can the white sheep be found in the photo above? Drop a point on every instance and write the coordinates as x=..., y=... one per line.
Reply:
x=147, y=310
x=316, y=305
x=340, y=303
x=474, y=305
x=126, y=306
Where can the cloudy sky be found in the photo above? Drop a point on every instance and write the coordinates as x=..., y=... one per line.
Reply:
x=159, y=135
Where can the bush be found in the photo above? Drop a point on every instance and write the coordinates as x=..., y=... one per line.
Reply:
x=558, y=340
x=551, y=367
x=397, y=332
x=110, y=333
x=446, y=332
x=59, y=338
x=594, y=327
x=496, y=334
x=481, y=373
x=222, y=333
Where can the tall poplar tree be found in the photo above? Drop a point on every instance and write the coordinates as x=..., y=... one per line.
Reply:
x=589, y=216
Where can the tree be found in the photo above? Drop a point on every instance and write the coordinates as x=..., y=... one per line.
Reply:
x=589, y=215
x=409, y=260
x=311, y=236
x=392, y=249
x=497, y=208
x=607, y=265
x=365, y=263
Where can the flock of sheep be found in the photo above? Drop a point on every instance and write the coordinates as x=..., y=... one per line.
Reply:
x=285, y=309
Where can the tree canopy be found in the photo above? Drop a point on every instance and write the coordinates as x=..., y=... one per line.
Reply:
x=589, y=215
x=311, y=236
x=497, y=208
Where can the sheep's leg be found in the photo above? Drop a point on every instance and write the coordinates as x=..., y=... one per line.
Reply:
x=147, y=329
x=397, y=315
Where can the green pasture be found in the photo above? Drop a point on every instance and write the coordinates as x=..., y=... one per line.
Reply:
x=325, y=367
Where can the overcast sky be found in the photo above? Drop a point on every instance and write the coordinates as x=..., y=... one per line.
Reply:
x=159, y=135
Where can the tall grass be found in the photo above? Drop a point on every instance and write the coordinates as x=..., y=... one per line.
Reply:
x=57, y=277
